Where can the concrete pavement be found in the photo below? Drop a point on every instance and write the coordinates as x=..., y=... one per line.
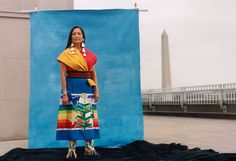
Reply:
x=216, y=134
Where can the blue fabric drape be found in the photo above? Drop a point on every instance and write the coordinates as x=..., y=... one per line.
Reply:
x=113, y=35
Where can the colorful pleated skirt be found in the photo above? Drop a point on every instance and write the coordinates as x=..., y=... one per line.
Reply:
x=79, y=119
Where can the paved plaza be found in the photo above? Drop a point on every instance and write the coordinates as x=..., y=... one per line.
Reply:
x=217, y=134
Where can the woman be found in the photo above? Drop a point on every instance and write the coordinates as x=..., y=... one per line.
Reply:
x=77, y=118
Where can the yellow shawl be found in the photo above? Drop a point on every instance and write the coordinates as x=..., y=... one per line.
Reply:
x=76, y=61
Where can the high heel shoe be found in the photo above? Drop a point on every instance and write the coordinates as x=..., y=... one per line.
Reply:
x=70, y=154
x=89, y=148
x=91, y=153
x=71, y=150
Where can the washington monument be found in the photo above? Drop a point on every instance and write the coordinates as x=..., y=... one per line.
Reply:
x=166, y=75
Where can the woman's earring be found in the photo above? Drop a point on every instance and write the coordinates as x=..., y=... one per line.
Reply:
x=83, y=49
x=72, y=49
x=82, y=44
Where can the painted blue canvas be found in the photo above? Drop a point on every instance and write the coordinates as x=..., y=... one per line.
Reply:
x=113, y=35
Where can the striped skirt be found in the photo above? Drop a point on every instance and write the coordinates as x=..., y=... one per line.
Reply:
x=79, y=119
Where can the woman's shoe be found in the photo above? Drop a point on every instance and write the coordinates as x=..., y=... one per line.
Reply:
x=71, y=150
x=70, y=154
x=89, y=148
x=91, y=153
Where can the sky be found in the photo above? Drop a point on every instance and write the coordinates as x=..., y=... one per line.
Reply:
x=202, y=39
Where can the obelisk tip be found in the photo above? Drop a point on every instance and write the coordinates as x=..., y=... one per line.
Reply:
x=164, y=33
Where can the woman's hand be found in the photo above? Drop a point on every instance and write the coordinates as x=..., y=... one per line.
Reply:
x=65, y=99
x=96, y=93
x=96, y=96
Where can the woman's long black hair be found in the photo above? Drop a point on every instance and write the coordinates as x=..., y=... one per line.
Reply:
x=70, y=36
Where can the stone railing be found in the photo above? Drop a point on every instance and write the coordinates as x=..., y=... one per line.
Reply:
x=221, y=94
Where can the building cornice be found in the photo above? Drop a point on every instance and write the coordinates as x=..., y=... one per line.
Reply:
x=14, y=14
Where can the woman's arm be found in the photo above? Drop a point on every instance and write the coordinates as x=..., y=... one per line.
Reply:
x=96, y=91
x=65, y=99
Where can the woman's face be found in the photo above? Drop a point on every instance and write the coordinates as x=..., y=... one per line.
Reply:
x=77, y=36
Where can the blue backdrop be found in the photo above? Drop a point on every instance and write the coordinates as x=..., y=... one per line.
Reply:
x=113, y=35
